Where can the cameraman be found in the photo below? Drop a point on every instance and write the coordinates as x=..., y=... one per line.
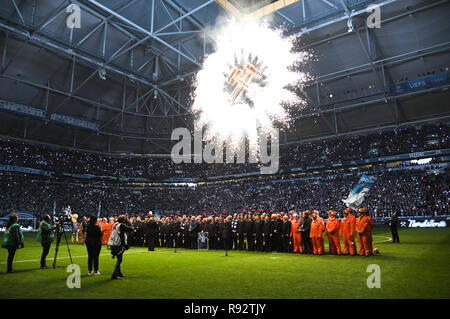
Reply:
x=45, y=236
x=119, y=243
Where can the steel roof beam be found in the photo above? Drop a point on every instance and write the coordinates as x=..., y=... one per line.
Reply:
x=285, y=17
x=391, y=19
x=325, y=24
x=386, y=61
x=185, y=15
x=183, y=11
x=17, y=10
x=330, y=4
x=70, y=53
x=367, y=130
x=382, y=100
x=140, y=29
x=83, y=99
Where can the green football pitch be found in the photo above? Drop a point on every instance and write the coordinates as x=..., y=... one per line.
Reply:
x=418, y=267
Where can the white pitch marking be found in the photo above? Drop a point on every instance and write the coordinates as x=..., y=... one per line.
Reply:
x=383, y=241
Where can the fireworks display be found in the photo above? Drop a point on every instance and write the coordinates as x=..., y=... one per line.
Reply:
x=242, y=88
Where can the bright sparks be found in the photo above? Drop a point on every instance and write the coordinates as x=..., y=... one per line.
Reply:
x=242, y=88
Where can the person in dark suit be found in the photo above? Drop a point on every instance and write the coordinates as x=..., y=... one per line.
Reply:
x=209, y=230
x=220, y=241
x=305, y=228
x=151, y=233
x=160, y=234
x=177, y=232
x=240, y=232
x=139, y=235
x=185, y=231
x=258, y=233
x=234, y=224
x=267, y=234
x=276, y=231
x=93, y=243
x=216, y=227
x=226, y=233
x=163, y=232
x=393, y=224
x=169, y=233
x=285, y=234
x=250, y=232
x=194, y=228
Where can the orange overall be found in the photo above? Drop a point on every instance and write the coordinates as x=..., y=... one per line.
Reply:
x=106, y=232
x=316, y=236
x=296, y=236
x=332, y=231
x=364, y=226
x=81, y=234
x=347, y=232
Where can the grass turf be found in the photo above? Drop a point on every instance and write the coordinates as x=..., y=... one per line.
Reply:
x=418, y=267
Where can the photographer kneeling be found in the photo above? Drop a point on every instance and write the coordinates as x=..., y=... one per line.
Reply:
x=45, y=236
x=119, y=243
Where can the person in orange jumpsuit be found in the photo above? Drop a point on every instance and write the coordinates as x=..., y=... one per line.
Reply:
x=347, y=231
x=370, y=226
x=105, y=228
x=296, y=235
x=109, y=229
x=364, y=226
x=316, y=234
x=332, y=231
x=321, y=219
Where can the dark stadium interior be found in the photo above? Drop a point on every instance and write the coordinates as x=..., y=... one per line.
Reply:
x=202, y=157
x=358, y=109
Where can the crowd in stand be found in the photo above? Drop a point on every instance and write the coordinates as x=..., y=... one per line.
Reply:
x=407, y=192
x=400, y=141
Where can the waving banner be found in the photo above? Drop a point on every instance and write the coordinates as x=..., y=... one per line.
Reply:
x=359, y=192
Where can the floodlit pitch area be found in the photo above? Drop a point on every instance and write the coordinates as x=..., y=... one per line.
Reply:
x=415, y=268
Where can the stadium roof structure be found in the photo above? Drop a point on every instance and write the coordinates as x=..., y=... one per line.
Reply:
x=122, y=81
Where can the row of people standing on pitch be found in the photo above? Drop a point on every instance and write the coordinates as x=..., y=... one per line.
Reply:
x=247, y=231
x=262, y=232
x=265, y=232
x=307, y=233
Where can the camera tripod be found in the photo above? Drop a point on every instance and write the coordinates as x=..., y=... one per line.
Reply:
x=59, y=232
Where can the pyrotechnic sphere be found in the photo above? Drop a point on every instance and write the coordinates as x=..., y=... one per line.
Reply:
x=245, y=85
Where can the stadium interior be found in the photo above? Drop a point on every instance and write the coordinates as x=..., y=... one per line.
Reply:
x=91, y=92
x=93, y=108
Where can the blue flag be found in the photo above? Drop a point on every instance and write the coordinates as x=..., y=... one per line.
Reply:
x=359, y=192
